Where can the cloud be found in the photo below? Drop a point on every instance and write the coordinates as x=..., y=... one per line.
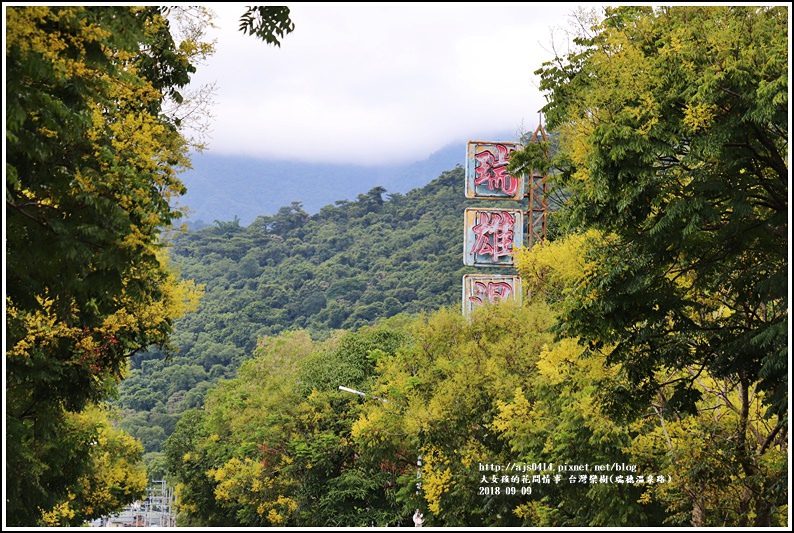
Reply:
x=378, y=83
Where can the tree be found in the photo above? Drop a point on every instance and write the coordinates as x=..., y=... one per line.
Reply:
x=195, y=491
x=96, y=109
x=91, y=163
x=191, y=107
x=443, y=392
x=272, y=447
x=557, y=415
x=673, y=128
x=269, y=23
x=115, y=477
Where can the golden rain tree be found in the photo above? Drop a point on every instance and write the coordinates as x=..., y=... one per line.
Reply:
x=673, y=146
x=91, y=169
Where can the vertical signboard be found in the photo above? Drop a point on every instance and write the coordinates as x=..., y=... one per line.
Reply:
x=482, y=289
x=491, y=236
x=486, y=171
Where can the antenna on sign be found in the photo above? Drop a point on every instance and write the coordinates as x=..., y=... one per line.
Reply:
x=537, y=190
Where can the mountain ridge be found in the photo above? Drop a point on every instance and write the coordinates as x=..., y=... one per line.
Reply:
x=222, y=188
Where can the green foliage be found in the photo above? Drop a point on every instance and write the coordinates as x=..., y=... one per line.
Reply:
x=280, y=445
x=195, y=490
x=269, y=23
x=272, y=446
x=491, y=357
x=674, y=122
x=332, y=270
x=654, y=337
x=673, y=126
x=714, y=483
x=91, y=164
x=555, y=419
x=112, y=477
x=344, y=268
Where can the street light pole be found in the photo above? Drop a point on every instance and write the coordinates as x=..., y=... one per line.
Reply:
x=346, y=389
x=418, y=517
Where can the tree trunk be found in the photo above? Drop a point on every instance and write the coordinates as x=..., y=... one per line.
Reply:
x=698, y=512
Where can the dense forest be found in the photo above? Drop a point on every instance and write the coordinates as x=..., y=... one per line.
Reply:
x=318, y=371
x=343, y=268
x=493, y=421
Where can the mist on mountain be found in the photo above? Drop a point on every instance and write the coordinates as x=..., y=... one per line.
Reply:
x=223, y=188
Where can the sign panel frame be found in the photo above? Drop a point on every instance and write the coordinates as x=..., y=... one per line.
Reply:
x=491, y=236
x=486, y=289
x=486, y=173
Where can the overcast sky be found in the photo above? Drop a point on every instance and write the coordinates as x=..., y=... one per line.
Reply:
x=378, y=83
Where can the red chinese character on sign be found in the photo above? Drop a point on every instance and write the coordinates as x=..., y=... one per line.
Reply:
x=490, y=292
x=494, y=234
x=493, y=171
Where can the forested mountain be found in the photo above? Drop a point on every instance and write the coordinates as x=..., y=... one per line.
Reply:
x=224, y=187
x=346, y=266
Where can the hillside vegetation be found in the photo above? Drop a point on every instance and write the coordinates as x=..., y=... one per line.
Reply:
x=343, y=268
